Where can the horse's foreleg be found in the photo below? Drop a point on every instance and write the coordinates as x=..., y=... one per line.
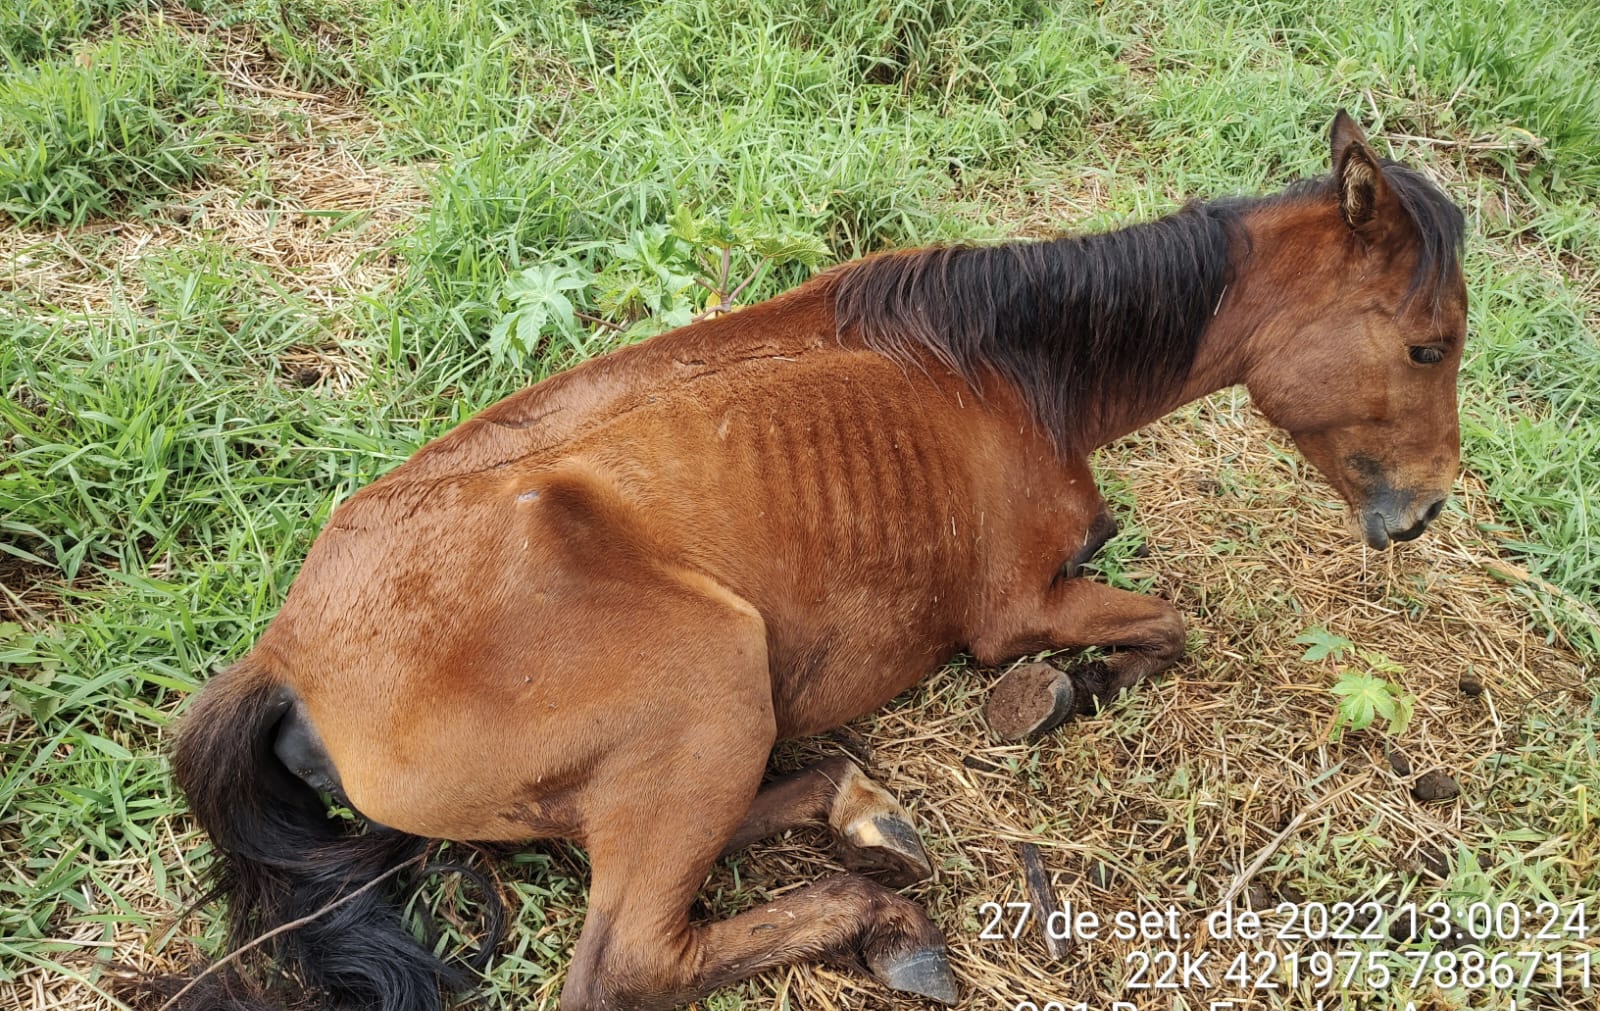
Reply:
x=1145, y=633
x=873, y=832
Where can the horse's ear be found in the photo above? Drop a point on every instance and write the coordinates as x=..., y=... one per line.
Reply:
x=1364, y=198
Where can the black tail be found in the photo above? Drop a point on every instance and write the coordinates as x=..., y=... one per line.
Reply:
x=281, y=857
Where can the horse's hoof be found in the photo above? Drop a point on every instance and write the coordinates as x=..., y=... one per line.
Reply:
x=924, y=972
x=886, y=847
x=1030, y=700
x=875, y=834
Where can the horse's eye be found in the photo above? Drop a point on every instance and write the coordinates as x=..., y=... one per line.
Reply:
x=1424, y=354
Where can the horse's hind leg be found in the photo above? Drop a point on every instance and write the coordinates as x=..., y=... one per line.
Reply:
x=655, y=823
x=872, y=831
x=639, y=951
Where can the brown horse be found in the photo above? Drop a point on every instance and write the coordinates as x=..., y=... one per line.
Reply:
x=589, y=612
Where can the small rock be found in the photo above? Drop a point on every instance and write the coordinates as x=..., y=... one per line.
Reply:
x=1405, y=928
x=1470, y=686
x=1425, y=860
x=1258, y=897
x=1400, y=762
x=1435, y=785
x=1433, y=860
x=1101, y=876
x=1457, y=938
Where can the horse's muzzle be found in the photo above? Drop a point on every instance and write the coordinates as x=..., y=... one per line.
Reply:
x=1392, y=515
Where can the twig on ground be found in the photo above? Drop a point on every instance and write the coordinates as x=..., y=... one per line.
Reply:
x=597, y=321
x=1043, y=897
x=1265, y=853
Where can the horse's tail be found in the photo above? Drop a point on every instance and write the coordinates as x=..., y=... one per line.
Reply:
x=281, y=858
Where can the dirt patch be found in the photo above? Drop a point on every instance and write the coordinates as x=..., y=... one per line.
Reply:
x=319, y=227
x=292, y=195
x=30, y=592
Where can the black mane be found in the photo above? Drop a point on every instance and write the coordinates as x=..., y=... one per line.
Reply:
x=1441, y=230
x=1084, y=322
x=1065, y=320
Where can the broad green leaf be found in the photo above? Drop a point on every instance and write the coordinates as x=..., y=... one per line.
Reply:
x=1322, y=644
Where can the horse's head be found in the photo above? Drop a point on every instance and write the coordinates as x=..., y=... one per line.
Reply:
x=1361, y=340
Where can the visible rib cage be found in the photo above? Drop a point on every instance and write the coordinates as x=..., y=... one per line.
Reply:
x=856, y=475
x=590, y=613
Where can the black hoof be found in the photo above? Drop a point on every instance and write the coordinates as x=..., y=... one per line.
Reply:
x=885, y=846
x=1030, y=700
x=924, y=972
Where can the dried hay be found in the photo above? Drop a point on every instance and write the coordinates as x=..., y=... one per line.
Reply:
x=271, y=206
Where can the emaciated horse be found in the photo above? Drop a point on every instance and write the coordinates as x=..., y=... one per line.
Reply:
x=589, y=612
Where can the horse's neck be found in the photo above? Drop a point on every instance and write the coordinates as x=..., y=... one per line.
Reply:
x=1120, y=418
x=1220, y=361
x=1251, y=320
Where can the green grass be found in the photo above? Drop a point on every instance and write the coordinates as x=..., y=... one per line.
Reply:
x=1532, y=423
x=124, y=122
x=32, y=30
x=160, y=477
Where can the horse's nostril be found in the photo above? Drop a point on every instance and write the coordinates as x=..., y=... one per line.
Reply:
x=1433, y=511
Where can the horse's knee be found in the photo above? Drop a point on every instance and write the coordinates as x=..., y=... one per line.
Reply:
x=1159, y=644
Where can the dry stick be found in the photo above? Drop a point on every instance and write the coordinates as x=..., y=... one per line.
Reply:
x=1532, y=143
x=239, y=80
x=754, y=272
x=1265, y=853
x=1043, y=897
x=291, y=925
x=597, y=321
